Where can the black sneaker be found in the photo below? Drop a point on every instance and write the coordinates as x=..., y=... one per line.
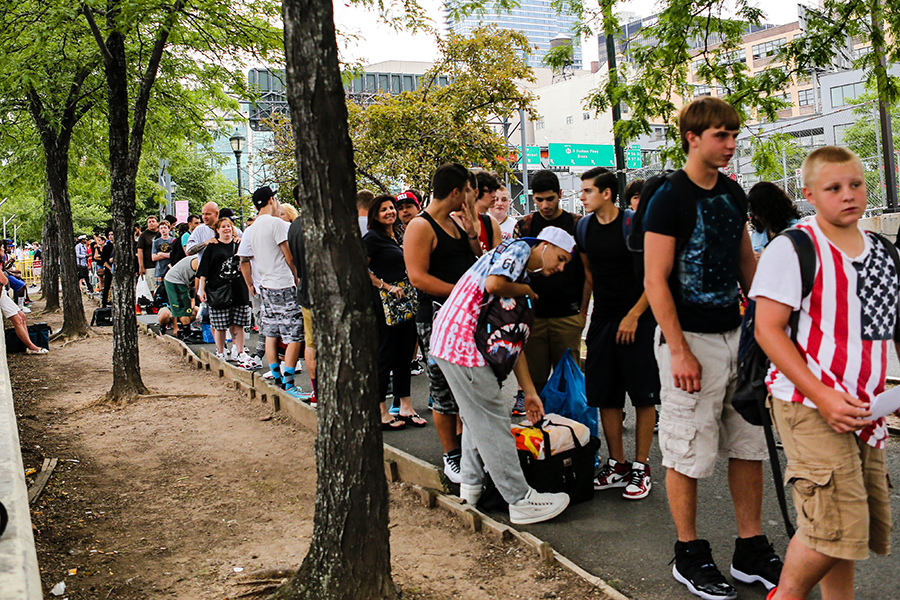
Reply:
x=694, y=567
x=519, y=407
x=415, y=368
x=755, y=561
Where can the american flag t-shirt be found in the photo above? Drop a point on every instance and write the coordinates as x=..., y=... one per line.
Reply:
x=846, y=325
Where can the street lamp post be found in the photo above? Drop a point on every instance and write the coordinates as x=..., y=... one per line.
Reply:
x=237, y=145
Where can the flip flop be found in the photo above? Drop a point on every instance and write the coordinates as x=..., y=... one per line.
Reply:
x=413, y=420
x=393, y=425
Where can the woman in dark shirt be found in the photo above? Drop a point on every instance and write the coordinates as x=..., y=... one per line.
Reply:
x=395, y=342
x=217, y=271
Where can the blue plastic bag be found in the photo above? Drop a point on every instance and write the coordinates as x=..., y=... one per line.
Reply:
x=564, y=395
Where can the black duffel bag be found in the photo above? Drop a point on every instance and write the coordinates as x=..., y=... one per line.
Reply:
x=570, y=471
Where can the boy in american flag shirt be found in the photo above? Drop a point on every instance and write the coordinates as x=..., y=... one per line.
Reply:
x=822, y=387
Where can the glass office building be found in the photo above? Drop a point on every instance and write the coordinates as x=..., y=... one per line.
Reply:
x=537, y=19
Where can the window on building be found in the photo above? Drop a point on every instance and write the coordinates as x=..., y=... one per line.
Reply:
x=408, y=85
x=810, y=138
x=702, y=90
x=844, y=95
x=806, y=97
x=586, y=116
x=384, y=83
x=735, y=56
x=769, y=48
x=371, y=83
x=443, y=80
x=839, y=131
x=396, y=85
x=539, y=124
x=569, y=120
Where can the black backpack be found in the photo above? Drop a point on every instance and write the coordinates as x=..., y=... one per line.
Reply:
x=687, y=210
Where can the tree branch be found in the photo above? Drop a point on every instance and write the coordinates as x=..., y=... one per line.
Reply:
x=98, y=35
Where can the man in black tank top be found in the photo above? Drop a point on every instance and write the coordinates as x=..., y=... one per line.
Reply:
x=439, y=247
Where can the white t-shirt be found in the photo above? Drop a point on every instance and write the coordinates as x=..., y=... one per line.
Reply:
x=363, y=225
x=507, y=227
x=263, y=245
x=246, y=249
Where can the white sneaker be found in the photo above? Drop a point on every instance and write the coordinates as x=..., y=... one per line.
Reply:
x=470, y=493
x=39, y=350
x=268, y=375
x=235, y=354
x=536, y=507
x=256, y=363
x=221, y=355
x=24, y=309
x=244, y=361
x=451, y=467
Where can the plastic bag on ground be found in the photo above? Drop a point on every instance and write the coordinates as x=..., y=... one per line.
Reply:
x=564, y=395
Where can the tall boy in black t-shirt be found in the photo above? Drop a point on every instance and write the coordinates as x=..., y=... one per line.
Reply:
x=620, y=339
x=561, y=307
x=692, y=285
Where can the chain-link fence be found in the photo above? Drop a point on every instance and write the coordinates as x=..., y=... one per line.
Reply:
x=775, y=152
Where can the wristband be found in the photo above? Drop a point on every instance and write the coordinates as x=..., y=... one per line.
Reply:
x=473, y=237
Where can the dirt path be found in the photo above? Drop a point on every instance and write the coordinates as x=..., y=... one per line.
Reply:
x=185, y=495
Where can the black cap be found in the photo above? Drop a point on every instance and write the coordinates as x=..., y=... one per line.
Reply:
x=226, y=213
x=262, y=196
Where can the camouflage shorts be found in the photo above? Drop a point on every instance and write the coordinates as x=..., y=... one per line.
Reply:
x=281, y=316
x=443, y=401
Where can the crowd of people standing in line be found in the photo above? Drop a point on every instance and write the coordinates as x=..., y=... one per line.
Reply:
x=663, y=332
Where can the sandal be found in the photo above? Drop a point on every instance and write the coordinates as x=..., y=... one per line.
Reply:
x=413, y=420
x=393, y=425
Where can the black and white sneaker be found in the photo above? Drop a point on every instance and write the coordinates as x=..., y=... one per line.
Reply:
x=451, y=465
x=694, y=567
x=415, y=368
x=755, y=561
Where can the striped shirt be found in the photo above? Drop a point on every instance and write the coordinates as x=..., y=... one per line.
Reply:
x=846, y=323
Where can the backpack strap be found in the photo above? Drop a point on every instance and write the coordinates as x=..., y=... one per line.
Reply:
x=581, y=226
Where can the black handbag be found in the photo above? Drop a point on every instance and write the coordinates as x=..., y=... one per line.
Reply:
x=220, y=297
x=571, y=471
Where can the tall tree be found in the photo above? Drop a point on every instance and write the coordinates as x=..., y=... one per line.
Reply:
x=349, y=557
x=48, y=74
x=182, y=36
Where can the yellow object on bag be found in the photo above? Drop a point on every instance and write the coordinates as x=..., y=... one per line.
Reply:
x=560, y=434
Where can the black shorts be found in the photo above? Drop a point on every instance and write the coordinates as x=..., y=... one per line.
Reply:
x=612, y=369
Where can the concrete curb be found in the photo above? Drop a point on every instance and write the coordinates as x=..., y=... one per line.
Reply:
x=20, y=577
x=423, y=478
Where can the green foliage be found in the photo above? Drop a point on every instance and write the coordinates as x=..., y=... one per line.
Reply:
x=400, y=140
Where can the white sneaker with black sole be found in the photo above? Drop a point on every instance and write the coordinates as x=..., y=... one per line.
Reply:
x=536, y=507
x=451, y=467
x=470, y=493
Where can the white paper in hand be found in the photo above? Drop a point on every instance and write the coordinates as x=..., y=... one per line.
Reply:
x=885, y=403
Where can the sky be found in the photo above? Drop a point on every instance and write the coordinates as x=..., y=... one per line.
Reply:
x=376, y=43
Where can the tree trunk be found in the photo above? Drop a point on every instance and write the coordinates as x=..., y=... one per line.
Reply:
x=127, y=382
x=49, y=258
x=349, y=557
x=56, y=151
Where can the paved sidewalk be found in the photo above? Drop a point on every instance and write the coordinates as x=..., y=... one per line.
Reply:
x=629, y=544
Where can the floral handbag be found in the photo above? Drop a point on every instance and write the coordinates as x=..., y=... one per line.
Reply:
x=399, y=310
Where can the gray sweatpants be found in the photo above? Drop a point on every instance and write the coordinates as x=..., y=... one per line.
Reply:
x=487, y=440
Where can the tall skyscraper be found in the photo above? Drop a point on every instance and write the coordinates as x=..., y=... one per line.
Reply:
x=537, y=19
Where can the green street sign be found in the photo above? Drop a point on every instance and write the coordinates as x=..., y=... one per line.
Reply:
x=533, y=156
x=633, y=157
x=582, y=155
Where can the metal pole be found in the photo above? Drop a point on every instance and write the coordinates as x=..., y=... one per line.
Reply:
x=784, y=166
x=237, y=156
x=524, y=161
x=616, y=108
x=884, y=117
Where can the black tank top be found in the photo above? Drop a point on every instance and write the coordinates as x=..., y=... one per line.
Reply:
x=450, y=260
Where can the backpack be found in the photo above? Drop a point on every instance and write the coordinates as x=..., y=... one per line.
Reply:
x=503, y=327
x=582, y=224
x=687, y=210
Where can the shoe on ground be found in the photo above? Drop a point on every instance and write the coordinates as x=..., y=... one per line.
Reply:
x=695, y=568
x=451, y=466
x=536, y=507
x=235, y=354
x=294, y=392
x=518, y=409
x=268, y=375
x=24, y=309
x=313, y=401
x=415, y=368
x=470, y=493
x=755, y=561
x=612, y=475
x=38, y=351
x=221, y=356
x=394, y=410
x=638, y=482
x=245, y=361
x=257, y=363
